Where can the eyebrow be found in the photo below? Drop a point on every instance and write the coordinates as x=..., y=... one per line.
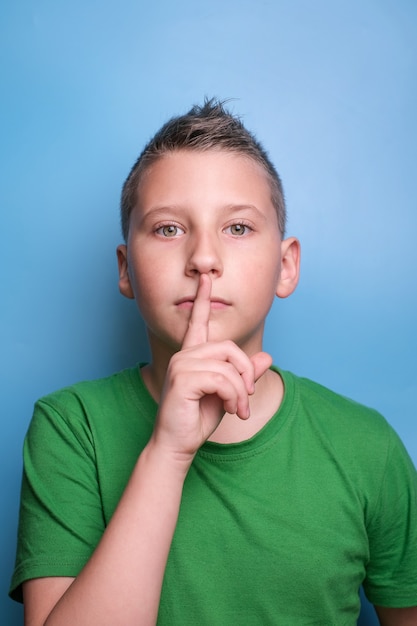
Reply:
x=237, y=208
x=162, y=211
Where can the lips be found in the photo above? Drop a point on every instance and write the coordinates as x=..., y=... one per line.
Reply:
x=188, y=302
x=218, y=304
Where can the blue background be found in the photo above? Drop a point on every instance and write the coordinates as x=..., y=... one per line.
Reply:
x=329, y=87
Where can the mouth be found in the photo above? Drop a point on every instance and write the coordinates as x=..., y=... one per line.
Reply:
x=188, y=303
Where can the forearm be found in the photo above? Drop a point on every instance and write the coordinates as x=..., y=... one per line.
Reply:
x=122, y=581
x=397, y=617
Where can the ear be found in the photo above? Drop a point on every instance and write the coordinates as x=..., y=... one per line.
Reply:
x=290, y=267
x=125, y=286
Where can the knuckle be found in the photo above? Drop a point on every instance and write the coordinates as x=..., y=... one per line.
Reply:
x=173, y=363
x=219, y=378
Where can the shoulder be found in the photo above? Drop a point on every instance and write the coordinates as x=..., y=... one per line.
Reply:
x=355, y=432
x=357, y=439
x=85, y=406
x=117, y=384
x=332, y=408
x=122, y=388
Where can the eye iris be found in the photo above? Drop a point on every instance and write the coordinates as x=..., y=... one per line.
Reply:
x=238, y=229
x=169, y=230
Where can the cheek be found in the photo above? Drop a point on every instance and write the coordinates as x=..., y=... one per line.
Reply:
x=258, y=284
x=152, y=282
x=263, y=274
x=143, y=281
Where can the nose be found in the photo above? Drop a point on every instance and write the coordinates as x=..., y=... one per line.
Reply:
x=204, y=255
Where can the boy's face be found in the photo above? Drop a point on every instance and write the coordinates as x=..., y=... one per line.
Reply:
x=206, y=212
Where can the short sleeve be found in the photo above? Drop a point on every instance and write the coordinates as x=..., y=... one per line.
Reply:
x=61, y=519
x=391, y=579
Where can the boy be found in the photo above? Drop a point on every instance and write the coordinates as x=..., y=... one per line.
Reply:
x=208, y=487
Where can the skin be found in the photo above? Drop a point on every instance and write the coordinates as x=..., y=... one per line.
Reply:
x=223, y=193
x=204, y=261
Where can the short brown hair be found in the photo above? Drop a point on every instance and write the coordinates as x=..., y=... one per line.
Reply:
x=207, y=127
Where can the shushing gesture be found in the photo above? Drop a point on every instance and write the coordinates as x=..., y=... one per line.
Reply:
x=204, y=381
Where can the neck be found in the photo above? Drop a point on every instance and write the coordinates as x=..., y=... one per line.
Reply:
x=264, y=403
x=155, y=372
x=269, y=391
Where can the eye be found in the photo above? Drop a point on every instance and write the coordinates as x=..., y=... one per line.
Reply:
x=239, y=229
x=169, y=230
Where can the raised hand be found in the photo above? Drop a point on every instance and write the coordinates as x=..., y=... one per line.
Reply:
x=204, y=380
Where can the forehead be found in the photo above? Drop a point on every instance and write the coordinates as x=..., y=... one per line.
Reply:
x=213, y=175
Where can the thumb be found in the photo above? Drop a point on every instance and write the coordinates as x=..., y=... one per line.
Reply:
x=261, y=361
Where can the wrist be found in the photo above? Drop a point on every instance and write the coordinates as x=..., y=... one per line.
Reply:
x=166, y=458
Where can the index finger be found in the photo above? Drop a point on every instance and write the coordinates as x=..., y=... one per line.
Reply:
x=198, y=325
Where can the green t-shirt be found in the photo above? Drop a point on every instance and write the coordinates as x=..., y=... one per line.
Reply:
x=280, y=529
